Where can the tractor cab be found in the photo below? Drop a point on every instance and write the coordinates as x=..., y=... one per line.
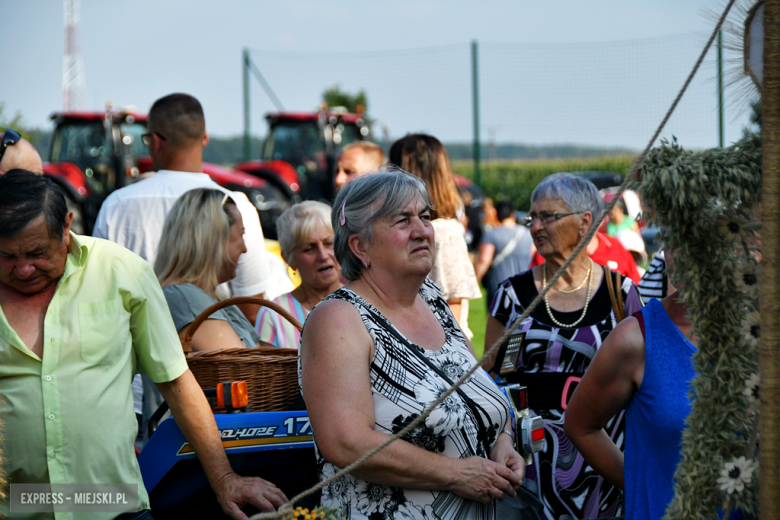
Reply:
x=94, y=153
x=104, y=146
x=91, y=155
x=310, y=143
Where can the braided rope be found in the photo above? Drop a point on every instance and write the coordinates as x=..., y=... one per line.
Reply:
x=286, y=511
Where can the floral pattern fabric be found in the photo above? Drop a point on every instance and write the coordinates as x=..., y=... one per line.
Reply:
x=567, y=486
x=403, y=386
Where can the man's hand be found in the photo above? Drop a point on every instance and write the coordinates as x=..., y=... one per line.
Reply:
x=233, y=492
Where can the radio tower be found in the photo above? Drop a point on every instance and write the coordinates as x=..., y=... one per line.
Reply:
x=72, y=63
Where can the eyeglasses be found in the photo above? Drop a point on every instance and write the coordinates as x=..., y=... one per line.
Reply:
x=9, y=137
x=546, y=218
x=147, y=138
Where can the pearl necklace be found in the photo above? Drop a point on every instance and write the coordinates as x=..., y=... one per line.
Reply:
x=587, y=300
x=572, y=291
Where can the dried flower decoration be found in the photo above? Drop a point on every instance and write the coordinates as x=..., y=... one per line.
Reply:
x=734, y=226
x=320, y=513
x=687, y=192
x=751, y=328
x=736, y=474
x=751, y=391
x=748, y=276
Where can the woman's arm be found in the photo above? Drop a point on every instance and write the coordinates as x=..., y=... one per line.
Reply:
x=452, y=270
x=186, y=302
x=213, y=334
x=503, y=451
x=610, y=381
x=456, y=308
x=493, y=331
x=336, y=351
x=484, y=259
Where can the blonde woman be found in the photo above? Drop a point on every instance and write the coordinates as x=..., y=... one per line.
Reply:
x=306, y=239
x=425, y=157
x=202, y=239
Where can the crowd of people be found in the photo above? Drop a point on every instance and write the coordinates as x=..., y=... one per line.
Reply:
x=385, y=283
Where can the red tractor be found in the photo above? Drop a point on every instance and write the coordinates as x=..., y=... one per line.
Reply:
x=299, y=157
x=299, y=162
x=95, y=153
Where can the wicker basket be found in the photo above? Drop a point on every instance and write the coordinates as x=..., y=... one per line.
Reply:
x=271, y=373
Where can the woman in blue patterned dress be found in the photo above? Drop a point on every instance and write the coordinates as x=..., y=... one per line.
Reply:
x=561, y=337
x=375, y=353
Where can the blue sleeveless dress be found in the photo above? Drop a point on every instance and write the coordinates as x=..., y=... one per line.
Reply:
x=655, y=418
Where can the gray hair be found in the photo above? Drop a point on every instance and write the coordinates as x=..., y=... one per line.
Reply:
x=364, y=200
x=578, y=193
x=297, y=223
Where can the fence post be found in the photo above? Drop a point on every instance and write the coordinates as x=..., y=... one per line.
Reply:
x=720, y=88
x=475, y=104
x=247, y=136
x=769, y=351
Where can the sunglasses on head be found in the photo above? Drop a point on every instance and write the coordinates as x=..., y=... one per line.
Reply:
x=147, y=137
x=9, y=137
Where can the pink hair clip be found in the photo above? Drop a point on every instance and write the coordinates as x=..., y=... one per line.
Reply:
x=343, y=217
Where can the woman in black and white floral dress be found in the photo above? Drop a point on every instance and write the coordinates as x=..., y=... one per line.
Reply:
x=377, y=352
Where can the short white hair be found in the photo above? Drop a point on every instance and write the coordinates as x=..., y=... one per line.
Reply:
x=297, y=222
x=578, y=193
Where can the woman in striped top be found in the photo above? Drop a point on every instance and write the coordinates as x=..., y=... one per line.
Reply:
x=306, y=240
x=655, y=283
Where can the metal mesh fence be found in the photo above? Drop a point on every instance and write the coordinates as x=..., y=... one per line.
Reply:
x=608, y=95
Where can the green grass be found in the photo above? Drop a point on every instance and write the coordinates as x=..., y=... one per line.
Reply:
x=517, y=179
x=477, y=321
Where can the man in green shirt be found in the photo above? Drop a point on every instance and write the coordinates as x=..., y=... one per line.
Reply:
x=78, y=317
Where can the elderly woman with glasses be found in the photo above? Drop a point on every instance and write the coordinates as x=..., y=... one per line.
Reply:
x=553, y=347
x=378, y=351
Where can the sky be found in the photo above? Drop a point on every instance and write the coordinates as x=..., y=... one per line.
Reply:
x=412, y=57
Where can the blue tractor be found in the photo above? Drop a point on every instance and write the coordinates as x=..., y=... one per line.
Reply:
x=276, y=446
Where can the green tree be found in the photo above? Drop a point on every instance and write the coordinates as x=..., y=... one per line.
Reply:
x=40, y=138
x=335, y=97
x=16, y=122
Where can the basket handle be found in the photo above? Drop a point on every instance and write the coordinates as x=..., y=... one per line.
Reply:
x=186, y=342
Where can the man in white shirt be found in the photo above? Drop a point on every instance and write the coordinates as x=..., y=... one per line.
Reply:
x=134, y=215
